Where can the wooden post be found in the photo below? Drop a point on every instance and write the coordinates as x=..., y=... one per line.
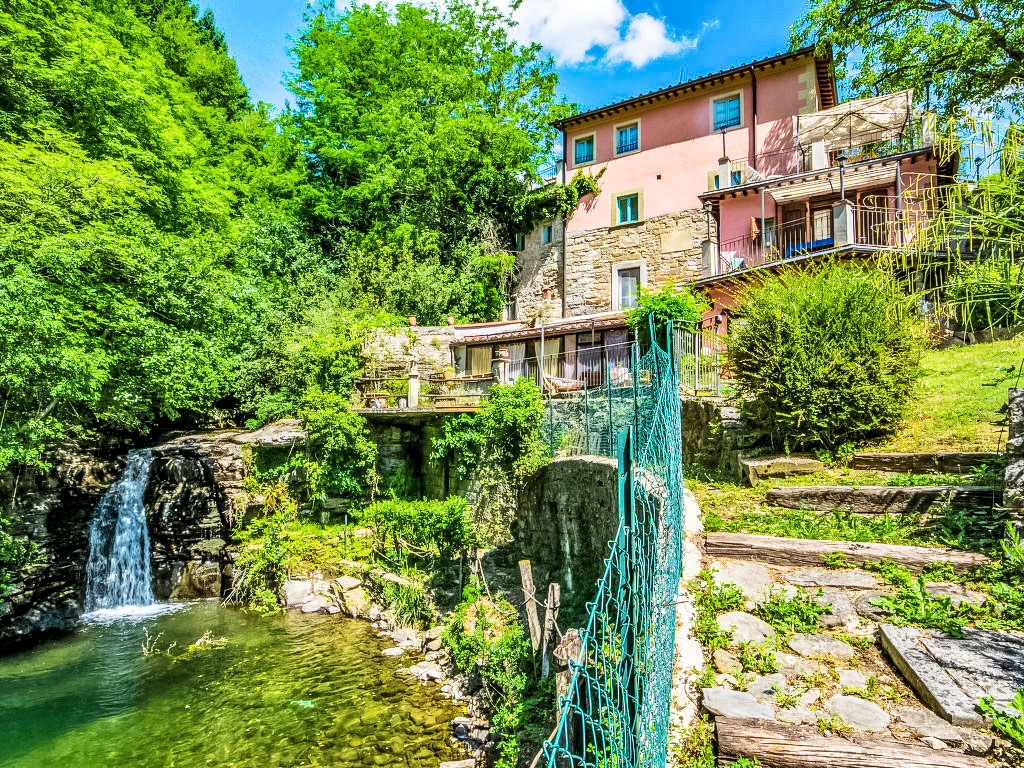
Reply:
x=530, y=593
x=548, y=632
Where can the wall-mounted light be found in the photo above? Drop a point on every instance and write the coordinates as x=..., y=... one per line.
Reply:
x=841, y=161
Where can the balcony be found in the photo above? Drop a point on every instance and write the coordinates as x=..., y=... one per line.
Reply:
x=867, y=227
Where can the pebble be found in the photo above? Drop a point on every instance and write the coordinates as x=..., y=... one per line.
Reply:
x=934, y=743
x=394, y=652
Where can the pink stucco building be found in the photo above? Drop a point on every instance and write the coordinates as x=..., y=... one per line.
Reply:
x=706, y=183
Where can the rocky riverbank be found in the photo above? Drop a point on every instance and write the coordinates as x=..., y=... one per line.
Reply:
x=431, y=662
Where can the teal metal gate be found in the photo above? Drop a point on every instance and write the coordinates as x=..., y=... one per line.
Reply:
x=616, y=713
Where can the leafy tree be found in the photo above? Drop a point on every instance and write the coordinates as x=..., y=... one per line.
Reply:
x=659, y=307
x=422, y=130
x=972, y=51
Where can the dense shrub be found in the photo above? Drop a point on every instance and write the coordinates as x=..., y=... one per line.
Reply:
x=430, y=526
x=664, y=305
x=825, y=358
x=987, y=294
x=340, y=456
x=510, y=421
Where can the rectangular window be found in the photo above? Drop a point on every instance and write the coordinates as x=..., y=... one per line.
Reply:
x=520, y=242
x=629, y=281
x=627, y=138
x=629, y=208
x=726, y=112
x=584, y=150
x=822, y=222
x=479, y=361
x=547, y=234
x=768, y=234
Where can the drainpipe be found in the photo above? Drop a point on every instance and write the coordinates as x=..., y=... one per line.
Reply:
x=753, y=125
x=764, y=249
x=565, y=220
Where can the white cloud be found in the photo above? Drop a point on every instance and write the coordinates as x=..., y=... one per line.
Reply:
x=579, y=32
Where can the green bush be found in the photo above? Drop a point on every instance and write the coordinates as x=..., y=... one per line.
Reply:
x=510, y=421
x=262, y=562
x=430, y=526
x=664, y=305
x=987, y=294
x=15, y=554
x=826, y=357
x=340, y=456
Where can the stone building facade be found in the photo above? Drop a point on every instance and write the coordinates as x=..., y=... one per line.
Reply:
x=538, y=269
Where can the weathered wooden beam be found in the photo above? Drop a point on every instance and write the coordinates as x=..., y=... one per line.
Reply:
x=778, y=550
x=879, y=499
x=530, y=595
x=776, y=745
x=960, y=462
x=551, y=606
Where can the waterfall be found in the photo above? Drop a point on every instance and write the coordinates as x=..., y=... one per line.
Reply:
x=118, y=571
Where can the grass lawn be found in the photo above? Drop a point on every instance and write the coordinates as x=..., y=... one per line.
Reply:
x=961, y=399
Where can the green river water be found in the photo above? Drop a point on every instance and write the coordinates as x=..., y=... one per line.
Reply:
x=288, y=690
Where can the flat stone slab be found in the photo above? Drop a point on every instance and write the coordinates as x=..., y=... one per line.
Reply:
x=795, y=666
x=316, y=604
x=864, y=603
x=798, y=715
x=844, y=579
x=861, y=714
x=950, y=674
x=762, y=688
x=752, y=578
x=346, y=583
x=877, y=499
x=745, y=627
x=726, y=662
x=957, y=593
x=852, y=678
x=757, y=470
x=843, y=613
x=924, y=722
x=820, y=645
x=722, y=702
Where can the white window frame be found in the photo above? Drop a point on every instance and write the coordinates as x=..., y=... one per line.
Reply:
x=616, y=268
x=726, y=97
x=615, y=137
x=593, y=137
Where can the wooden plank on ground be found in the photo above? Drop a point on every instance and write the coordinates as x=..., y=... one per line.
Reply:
x=960, y=462
x=778, y=550
x=880, y=499
x=777, y=745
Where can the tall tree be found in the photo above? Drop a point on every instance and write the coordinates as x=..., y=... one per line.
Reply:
x=971, y=51
x=422, y=129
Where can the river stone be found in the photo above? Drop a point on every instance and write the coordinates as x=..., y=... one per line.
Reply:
x=851, y=678
x=845, y=579
x=296, y=592
x=722, y=702
x=795, y=666
x=394, y=652
x=864, y=603
x=799, y=715
x=820, y=645
x=426, y=670
x=745, y=627
x=860, y=713
x=924, y=722
x=762, y=687
x=726, y=662
x=316, y=604
x=752, y=578
x=843, y=613
x=345, y=583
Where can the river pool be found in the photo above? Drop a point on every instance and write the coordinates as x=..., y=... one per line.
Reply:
x=286, y=690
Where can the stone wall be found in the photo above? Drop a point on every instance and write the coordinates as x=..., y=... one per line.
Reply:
x=1013, y=494
x=669, y=246
x=715, y=435
x=538, y=267
x=426, y=346
x=566, y=516
x=53, y=509
x=403, y=449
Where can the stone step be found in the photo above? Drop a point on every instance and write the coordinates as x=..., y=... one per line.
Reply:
x=881, y=499
x=776, y=550
x=925, y=463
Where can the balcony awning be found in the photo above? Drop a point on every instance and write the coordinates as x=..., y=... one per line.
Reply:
x=856, y=123
x=827, y=182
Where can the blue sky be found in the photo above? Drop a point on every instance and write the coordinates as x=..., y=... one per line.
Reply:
x=604, y=50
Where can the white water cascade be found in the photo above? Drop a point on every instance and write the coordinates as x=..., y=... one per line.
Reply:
x=118, y=572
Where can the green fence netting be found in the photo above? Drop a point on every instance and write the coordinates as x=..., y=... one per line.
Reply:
x=616, y=712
